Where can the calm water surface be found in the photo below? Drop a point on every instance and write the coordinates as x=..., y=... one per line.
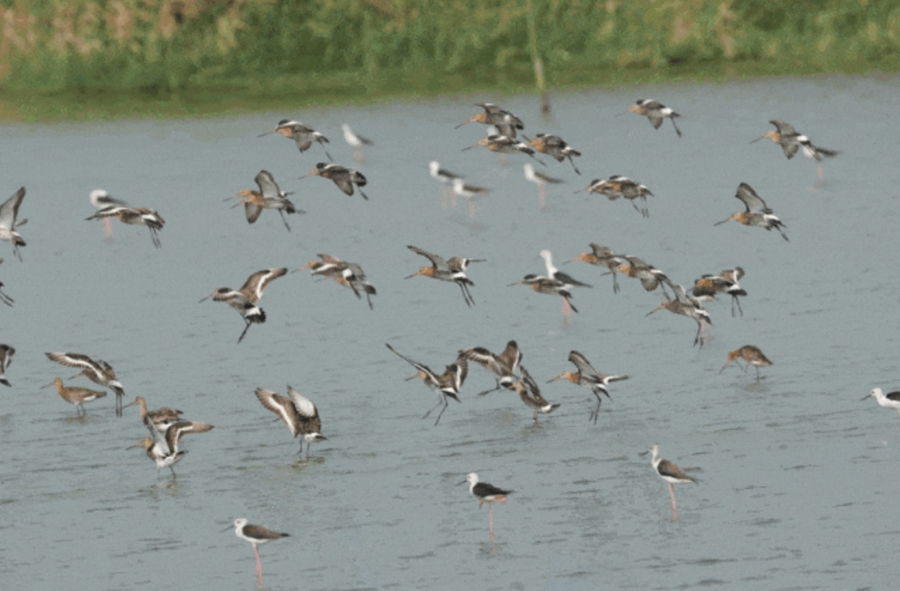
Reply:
x=797, y=473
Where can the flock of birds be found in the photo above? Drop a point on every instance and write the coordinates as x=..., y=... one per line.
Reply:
x=166, y=426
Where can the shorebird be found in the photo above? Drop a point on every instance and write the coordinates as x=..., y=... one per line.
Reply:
x=469, y=193
x=556, y=283
x=601, y=256
x=349, y=275
x=549, y=286
x=269, y=196
x=75, y=395
x=303, y=135
x=162, y=417
x=727, y=281
x=446, y=385
x=749, y=353
x=486, y=493
x=6, y=353
x=621, y=186
x=162, y=445
x=650, y=276
x=588, y=377
x=889, y=400
x=453, y=270
x=245, y=299
x=344, y=178
x=790, y=141
x=504, y=366
x=298, y=412
x=256, y=535
x=9, y=211
x=99, y=372
x=655, y=112
x=757, y=213
x=669, y=472
x=135, y=216
x=531, y=395
x=686, y=306
x=505, y=145
x=505, y=122
x=101, y=200
x=541, y=180
x=356, y=142
x=442, y=175
x=554, y=146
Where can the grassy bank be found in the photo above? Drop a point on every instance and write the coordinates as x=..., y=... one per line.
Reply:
x=83, y=59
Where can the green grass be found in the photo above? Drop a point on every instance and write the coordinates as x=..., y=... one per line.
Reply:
x=89, y=60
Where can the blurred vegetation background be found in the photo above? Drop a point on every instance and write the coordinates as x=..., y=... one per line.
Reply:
x=246, y=53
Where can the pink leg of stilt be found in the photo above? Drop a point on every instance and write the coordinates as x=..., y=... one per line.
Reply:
x=542, y=197
x=491, y=517
x=107, y=227
x=258, y=564
x=567, y=309
x=674, y=510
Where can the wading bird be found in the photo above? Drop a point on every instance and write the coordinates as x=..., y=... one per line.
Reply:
x=356, y=142
x=99, y=372
x=588, y=377
x=504, y=366
x=453, y=270
x=161, y=417
x=749, y=353
x=75, y=395
x=554, y=146
x=505, y=145
x=541, y=180
x=757, y=213
x=727, y=281
x=669, y=472
x=889, y=400
x=256, y=535
x=505, y=122
x=655, y=112
x=135, y=216
x=349, y=275
x=790, y=141
x=298, y=412
x=601, y=256
x=621, y=186
x=162, y=445
x=530, y=394
x=245, y=299
x=446, y=385
x=101, y=200
x=486, y=493
x=269, y=196
x=344, y=178
x=303, y=135
x=9, y=211
x=686, y=306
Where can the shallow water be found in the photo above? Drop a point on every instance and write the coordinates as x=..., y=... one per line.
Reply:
x=795, y=471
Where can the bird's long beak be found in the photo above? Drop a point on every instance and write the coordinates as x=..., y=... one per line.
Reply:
x=757, y=139
x=80, y=373
x=866, y=396
x=657, y=309
x=229, y=528
x=419, y=272
x=516, y=283
x=470, y=147
x=729, y=361
x=207, y=297
x=267, y=133
x=132, y=403
x=723, y=221
x=556, y=378
x=643, y=453
x=48, y=385
x=463, y=482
